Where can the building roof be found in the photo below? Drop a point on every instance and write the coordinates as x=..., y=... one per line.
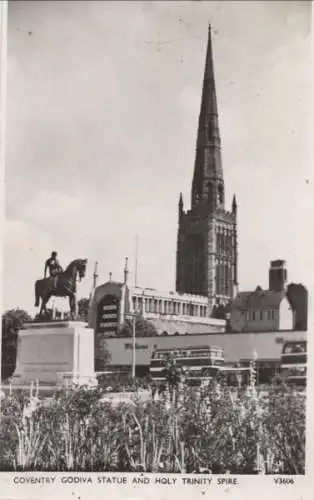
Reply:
x=182, y=327
x=168, y=295
x=258, y=299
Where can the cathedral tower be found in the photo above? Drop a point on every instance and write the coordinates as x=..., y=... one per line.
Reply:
x=207, y=234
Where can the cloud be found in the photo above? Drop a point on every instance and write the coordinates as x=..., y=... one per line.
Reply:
x=48, y=207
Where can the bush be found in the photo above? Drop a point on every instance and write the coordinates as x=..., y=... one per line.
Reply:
x=209, y=429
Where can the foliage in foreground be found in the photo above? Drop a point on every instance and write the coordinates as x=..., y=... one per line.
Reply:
x=213, y=430
x=12, y=321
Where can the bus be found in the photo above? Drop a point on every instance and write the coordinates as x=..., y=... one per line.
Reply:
x=198, y=363
x=293, y=364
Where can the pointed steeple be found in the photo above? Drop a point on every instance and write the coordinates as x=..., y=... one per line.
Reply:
x=180, y=205
x=208, y=185
x=234, y=204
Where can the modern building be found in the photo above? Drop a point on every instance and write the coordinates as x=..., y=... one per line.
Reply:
x=264, y=348
x=170, y=313
x=207, y=235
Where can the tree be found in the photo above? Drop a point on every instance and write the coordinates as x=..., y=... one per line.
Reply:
x=102, y=355
x=297, y=295
x=12, y=322
x=143, y=328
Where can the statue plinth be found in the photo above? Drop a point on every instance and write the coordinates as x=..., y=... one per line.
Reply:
x=55, y=353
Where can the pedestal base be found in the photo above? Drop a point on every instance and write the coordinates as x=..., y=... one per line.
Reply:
x=55, y=354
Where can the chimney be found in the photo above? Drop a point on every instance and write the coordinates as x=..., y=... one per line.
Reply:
x=277, y=275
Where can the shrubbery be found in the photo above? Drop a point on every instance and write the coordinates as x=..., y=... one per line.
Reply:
x=212, y=430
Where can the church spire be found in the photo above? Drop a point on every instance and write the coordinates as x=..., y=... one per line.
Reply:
x=208, y=186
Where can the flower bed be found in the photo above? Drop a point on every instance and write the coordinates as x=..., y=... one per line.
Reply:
x=212, y=430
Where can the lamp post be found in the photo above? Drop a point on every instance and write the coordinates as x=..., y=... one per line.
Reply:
x=255, y=365
x=133, y=317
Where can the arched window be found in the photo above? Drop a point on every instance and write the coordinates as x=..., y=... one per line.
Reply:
x=165, y=333
x=218, y=242
x=217, y=279
x=210, y=191
x=176, y=333
x=220, y=194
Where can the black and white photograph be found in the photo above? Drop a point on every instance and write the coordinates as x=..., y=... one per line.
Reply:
x=157, y=251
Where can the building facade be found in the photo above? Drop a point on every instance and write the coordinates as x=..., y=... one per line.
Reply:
x=170, y=314
x=264, y=348
x=281, y=307
x=207, y=234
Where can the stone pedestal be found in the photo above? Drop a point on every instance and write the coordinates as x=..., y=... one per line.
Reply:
x=55, y=353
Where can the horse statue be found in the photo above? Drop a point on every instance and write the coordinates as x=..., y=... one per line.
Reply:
x=62, y=285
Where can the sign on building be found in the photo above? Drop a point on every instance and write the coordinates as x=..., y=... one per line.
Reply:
x=108, y=315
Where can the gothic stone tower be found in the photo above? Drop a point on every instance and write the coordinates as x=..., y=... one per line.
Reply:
x=207, y=235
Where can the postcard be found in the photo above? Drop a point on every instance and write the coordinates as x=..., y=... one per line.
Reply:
x=158, y=199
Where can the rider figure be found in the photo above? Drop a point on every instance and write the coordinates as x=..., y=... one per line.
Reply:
x=53, y=266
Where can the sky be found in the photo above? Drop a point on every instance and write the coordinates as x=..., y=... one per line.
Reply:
x=102, y=110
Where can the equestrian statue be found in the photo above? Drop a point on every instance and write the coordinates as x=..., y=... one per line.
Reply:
x=59, y=283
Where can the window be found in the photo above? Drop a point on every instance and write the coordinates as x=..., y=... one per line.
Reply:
x=210, y=191
x=227, y=279
x=220, y=194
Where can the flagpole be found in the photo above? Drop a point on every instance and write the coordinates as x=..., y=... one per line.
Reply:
x=136, y=260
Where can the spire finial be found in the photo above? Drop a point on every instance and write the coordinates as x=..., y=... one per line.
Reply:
x=126, y=270
x=181, y=203
x=234, y=204
x=180, y=206
x=95, y=275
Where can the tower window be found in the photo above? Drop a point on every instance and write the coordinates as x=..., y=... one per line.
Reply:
x=210, y=191
x=220, y=194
